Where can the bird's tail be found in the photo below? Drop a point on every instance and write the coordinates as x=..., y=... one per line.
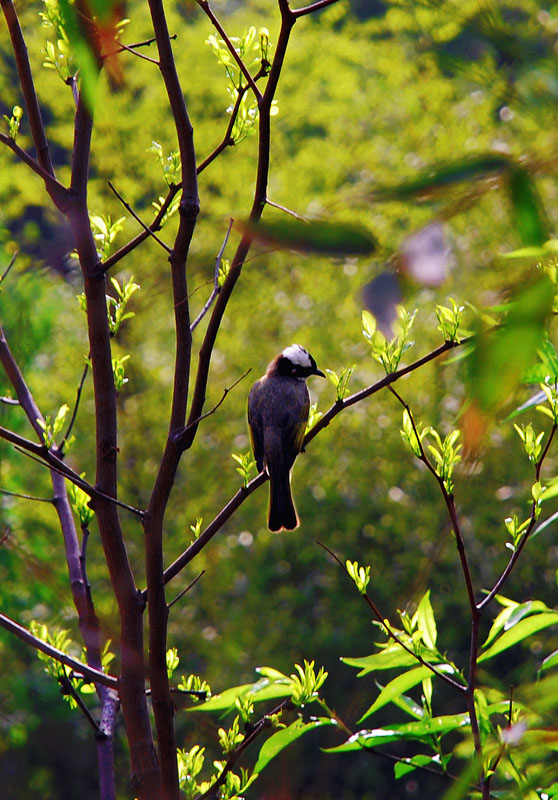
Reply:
x=282, y=513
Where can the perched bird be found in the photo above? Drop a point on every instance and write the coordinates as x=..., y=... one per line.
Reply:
x=278, y=407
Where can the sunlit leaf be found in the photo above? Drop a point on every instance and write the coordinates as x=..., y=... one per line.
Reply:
x=401, y=684
x=523, y=629
x=388, y=658
x=263, y=689
x=410, y=730
x=286, y=736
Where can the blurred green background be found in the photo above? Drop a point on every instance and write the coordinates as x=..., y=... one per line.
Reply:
x=371, y=95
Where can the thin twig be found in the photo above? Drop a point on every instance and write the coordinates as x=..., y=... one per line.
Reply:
x=258, y=728
x=141, y=237
x=184, y=591
x=47, y=459
x=300, y=12
x=180, y=436
x=68, y=688
x=9, y=401
x=391, y=634
x=8, y=268
x=216, y=286
x=76, y=406
x=204, y=4
x=93, y=675
x=148, y=230
x=285, y=209
x=518, y=550
x=56, y=190
x=450, y=506
x=26, y=496
x=129, y=49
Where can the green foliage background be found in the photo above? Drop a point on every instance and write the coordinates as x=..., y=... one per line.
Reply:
x=362, y=104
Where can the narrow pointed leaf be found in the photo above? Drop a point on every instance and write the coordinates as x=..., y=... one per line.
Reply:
x=527, y=208
x=261, y=690
x=401, y=684
x=420, y=731
x=388, y=658
x=445, y=175
x=523, y=629
x=316, y=236
x=285, y=736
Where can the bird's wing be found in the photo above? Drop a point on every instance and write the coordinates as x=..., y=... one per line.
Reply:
x=255, y=425
x=292, y=436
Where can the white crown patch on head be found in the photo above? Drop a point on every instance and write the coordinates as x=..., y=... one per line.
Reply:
x=297, y=355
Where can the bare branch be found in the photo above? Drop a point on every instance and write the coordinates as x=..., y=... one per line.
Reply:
x=285, y=209
x=93, y=675
x=300, y=12
x=216, y=287
x=129, y=208
x=76, y=406
x=204, y=4
x=181, y=437
x=53, y=187
x=27, y=496
x=141, y=237
x=8, y=268
x=187, y=589
x=28, y=88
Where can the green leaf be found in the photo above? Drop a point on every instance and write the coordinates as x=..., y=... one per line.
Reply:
x=445, y=175
x=519, y=632
x=401, y=684
x=527, y=208
x=263, y=689
x=549, y=661
x=390, y=657
x=500, y=358
x=426, y=621
x=334, y=238
x=410, y=764
x=285, y=736
x=420, y=731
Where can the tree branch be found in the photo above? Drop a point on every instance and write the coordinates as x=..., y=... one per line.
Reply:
x=93, y=675
x=28, y=88
x=204, y=5
x=129, y=208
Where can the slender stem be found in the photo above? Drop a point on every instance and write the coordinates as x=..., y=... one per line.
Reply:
x=300, y=12
x=76, y=406
x=141, y=237
x=214, y=527
x=8, y=268
x=50, y=459
x=216, y=287
x=391, y=633
x=532, y=522
x=28, y=87
x=148, y=230
x=93, y=675
x=258, y=204
x=204, y=4
x=163, y=706
x=258, y=728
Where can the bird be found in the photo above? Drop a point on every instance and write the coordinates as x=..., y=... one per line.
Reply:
x=278, y=408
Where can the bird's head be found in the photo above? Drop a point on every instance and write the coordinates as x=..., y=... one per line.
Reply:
x=293, y=362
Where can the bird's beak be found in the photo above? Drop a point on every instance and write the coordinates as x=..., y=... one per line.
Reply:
x=319, y=372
